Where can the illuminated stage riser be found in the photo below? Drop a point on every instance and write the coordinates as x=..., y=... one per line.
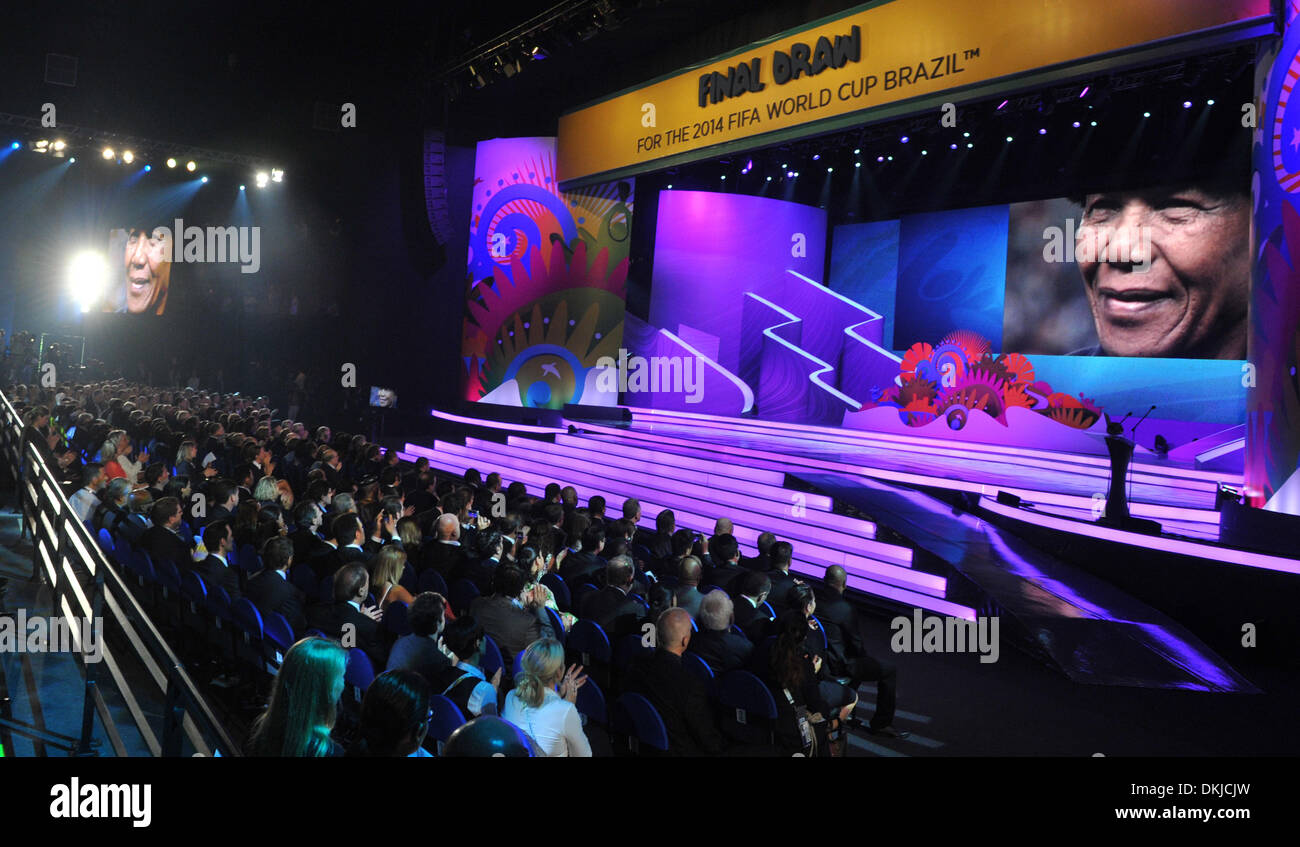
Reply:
x=795, y=463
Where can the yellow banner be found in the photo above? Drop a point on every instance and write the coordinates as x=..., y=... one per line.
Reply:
x=891, y=52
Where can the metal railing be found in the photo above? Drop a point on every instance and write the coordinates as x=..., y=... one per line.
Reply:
x=87, y=585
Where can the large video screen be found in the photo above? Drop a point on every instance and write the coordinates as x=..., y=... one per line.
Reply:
x=139, y=270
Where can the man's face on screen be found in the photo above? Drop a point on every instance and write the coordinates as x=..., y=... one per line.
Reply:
x=1182, y=285
x=148, y=270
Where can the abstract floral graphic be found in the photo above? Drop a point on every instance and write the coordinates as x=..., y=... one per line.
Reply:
x=960, y=376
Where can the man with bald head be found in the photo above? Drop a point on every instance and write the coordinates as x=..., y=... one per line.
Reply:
x=676, y=694
x=445, y=555
x=846, y=651
x=687, y=592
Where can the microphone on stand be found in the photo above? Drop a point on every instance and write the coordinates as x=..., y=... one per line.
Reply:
x=1116, y=427
x=1133, y=431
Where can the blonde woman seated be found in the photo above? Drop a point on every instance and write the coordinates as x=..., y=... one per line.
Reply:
x=385, y=573
x=550, y=719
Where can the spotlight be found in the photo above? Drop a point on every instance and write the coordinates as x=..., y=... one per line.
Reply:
x=15, y=146
x=1003, y=105
x=86, y=277
x=277, y=175
x=42, y=146
x=190, y=166
x=1209, y=102
x=857, y=152
x=1084, y=92
x=670, y=185
x=1009, y=139
x=1094, y=123
x=890, y=158
x=128, y=157
x=904, y=140
x=148, y=168
x=1042, y=131
x=925, y=152
x=816, y=156
x=952, y=146
x=1077, y=124
x=241, y=188
x=965, y=135
x=60, y=144
x=724, y=176
x=204, y=180
x=969, y=145
x=1187, y=104
x=262, y=179
x=830, y=170
x=171, y=163
x=880, y=158
x=783, y=167
x=108, y=153
x=769, y=179
x=855, y=164
x=72, y=161
x=1146, y=114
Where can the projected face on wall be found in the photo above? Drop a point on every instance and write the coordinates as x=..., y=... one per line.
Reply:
x=146, y=262
x=1167, y=271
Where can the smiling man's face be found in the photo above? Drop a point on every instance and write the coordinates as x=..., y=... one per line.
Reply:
x=1192, y=300
x=148, y=270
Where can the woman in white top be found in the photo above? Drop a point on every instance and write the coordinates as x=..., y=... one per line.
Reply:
x=551, y=719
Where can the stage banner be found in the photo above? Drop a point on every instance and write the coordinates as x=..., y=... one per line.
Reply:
x=880, y=54
x=547, y=274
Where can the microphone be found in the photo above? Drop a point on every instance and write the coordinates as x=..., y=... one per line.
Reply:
x=1133, y=431
x=1116, y=427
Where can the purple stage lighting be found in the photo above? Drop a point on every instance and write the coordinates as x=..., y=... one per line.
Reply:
x=1084, y=92
x=1003, y=105
x=904, y=140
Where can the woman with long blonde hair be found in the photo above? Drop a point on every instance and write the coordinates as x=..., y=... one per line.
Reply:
x=550, y=718
x=385, y=574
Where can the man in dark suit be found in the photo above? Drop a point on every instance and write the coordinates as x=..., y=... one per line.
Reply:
x=750, y=613
x=846, y=652
x=348, y=535
x=270, y=589
x=660, y=542
x=419, y=651
x=687, y=591
x=346, y=618
x=306, y=543
x=763, y=561
x=676, y=694
x=583, y=566
x=715, y=643
x=613, y=607
x=224, y=498
x=782, y=553
x=514, y=618
x=215, y=569
x=162, y=540
x=723, y=566
x=444, y=554
x=481, y=570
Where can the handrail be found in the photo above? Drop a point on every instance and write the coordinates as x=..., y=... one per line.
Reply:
x=87, y=583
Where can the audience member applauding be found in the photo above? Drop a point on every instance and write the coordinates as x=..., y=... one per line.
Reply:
x=513, y=616
x=550, y=719
x=466, y=684
x=300, y=714
x=351, y=588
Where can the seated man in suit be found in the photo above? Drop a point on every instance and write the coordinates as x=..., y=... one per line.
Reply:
x=219, y=540
x=763, y=561
x=162, y=541
x=306, y=543
x=659, y=542
x=423, y=651
x=715, y=643
x=347, y=620
x=724, y=559
x=270, y=589
x=137, y=521
x=781, y=554
x=513, y=617
x=846, y=652
x=614, y=607
x=750, y=613
x=225, y=497
x=583, y=566
x=444, y=554
x=348, y=535
x=687, y=591
x=675, y=692
x=466, y=684
x=481, y=570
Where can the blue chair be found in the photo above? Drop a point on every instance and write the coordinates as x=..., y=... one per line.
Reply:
x=247, y=556
x=492, y=659
x=431, y=580
x=447, y=718
x=396, y=620
x=826, y=644
x=557, y=624
x=697, y=667
x=591, y=703
x=278, y=635
x=579, y=594
x=220, y=606
x=771, y=613
x=105, y=539
x=560, y=589
x=359, y=674
x=408, y=580
x=590, y=641
x=638, y=720
x=707, y=589
x=628, y=648
x=248, y=620
x=519, y=662
x=325, y=591
x=168, y=576
x=694, y=626
x=193, y=589
x=463, y=594
x=753, y=704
